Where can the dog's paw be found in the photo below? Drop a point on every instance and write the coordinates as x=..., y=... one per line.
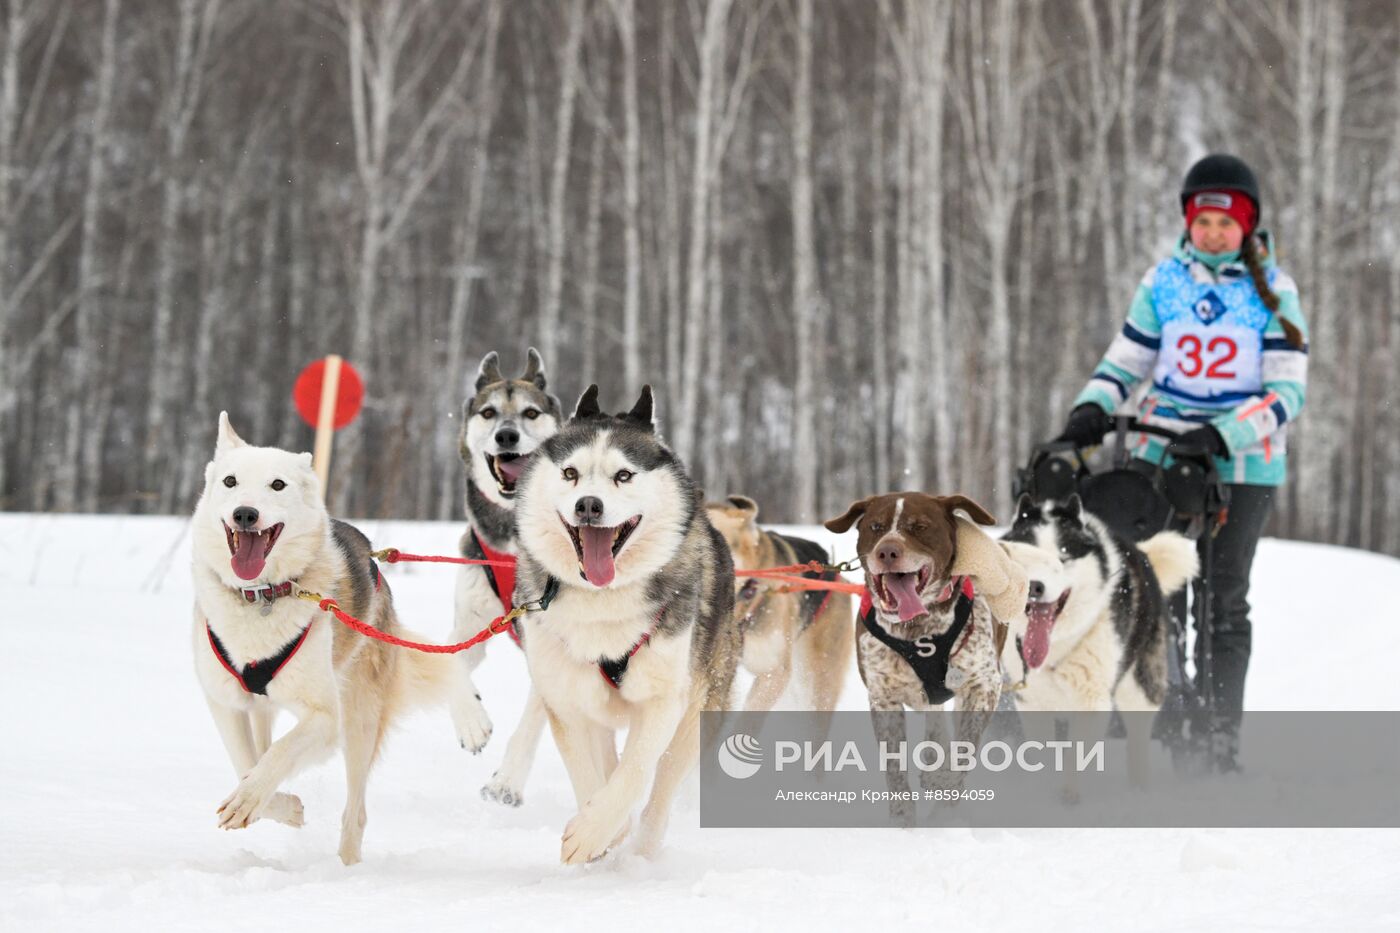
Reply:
x=349, y=852
x=472, y=723
x=501, y=791
x=285, y=809
x=242, y=807
x=590, y=835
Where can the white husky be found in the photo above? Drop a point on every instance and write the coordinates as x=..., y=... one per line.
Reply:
x=261, y=534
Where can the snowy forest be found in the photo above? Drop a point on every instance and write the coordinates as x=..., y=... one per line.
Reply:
x=856, y=246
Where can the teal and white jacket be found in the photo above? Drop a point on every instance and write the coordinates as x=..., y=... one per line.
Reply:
x=1216, y=355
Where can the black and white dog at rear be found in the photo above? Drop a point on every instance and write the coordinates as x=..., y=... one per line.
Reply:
x=1095, y=632
x=639, y=633
x=503, y=424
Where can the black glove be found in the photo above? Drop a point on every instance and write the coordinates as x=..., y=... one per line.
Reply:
x=1087, y=425
x=1205, y=439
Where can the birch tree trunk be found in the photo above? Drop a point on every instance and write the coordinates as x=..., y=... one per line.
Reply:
x=711, y=76
x=398, y=152
x=469, y=267
x=879, y=237
x=194, y=32
x=805, y=460
x=559, y=178
x=626, y=14
x=80, y=473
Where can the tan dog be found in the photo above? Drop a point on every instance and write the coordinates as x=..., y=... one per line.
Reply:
x=812, y=628
x=925, y=636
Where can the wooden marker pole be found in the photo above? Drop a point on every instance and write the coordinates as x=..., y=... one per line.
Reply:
x=325, y=422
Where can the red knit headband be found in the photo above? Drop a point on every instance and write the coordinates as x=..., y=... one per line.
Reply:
x=1236, y=204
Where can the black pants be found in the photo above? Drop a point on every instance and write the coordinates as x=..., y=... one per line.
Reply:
x=1232, y=556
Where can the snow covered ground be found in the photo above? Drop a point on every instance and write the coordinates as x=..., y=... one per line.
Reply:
x=111, y=772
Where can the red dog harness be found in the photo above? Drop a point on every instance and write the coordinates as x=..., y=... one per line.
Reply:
x=502, y=579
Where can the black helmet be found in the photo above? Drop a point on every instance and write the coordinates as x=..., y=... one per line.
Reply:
x=1218, y=171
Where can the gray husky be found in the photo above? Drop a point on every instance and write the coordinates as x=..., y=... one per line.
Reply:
x=639, y=631
x=503, y=424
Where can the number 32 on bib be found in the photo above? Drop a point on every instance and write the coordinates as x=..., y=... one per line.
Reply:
x=1210, y=362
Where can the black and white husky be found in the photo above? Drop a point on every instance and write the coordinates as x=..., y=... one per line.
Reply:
x=1095, y=632
x=503, y=424
x=639, y=632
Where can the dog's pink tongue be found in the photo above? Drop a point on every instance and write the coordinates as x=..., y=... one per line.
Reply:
x=905, y=590
x=1036, y=645
x=598, y=566
x=510, y=470
x=248, y=559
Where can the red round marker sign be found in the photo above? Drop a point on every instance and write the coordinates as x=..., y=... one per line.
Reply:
x=348, y=397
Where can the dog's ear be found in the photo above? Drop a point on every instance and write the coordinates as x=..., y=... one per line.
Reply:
x=1073, y=507
x=974, y=511
x=641, y=412
x=1025, y=506
x=534, y=368
x=311, y=480
x=744, y=504
x=228, y=437
x=489, y=371
x=587, y=406
x=843, y=523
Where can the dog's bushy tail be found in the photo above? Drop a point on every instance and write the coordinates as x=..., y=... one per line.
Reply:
x=423, y=678
x=1173, y=559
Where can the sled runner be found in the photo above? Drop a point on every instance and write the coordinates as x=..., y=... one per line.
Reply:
x=1136, y=500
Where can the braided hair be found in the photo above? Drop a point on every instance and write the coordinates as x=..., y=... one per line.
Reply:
x=1253, y=254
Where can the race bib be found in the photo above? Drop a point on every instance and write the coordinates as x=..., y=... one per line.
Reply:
x=1209, y=361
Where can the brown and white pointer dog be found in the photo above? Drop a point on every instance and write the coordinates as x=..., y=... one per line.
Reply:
x=924, y=636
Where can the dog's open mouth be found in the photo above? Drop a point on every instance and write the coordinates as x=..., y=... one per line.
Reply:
x=249, y=549
x=506, y=469
x=1040, y=616
x=899, y=592
x=597, y=548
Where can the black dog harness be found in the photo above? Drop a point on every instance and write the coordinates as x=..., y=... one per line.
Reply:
x=612, y=669
x=931, y=669
x=256, y=675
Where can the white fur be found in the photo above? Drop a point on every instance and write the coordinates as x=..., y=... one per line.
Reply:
x=1173, y=558
x=546, y=500
x=310, y=685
